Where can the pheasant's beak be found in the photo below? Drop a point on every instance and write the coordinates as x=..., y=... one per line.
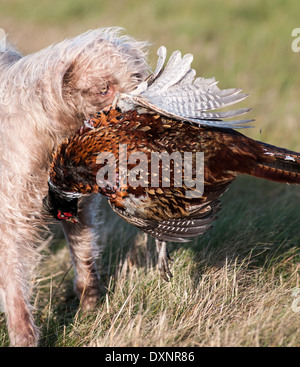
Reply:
x=74, y=219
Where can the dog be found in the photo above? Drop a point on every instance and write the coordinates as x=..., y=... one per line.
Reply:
x=45, y=97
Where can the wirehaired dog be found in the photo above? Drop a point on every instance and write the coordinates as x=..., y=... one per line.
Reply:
x=44, y=97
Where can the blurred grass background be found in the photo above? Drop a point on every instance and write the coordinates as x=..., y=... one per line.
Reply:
x=244, y=44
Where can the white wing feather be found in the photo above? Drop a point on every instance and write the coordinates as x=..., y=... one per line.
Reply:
x=174, y=92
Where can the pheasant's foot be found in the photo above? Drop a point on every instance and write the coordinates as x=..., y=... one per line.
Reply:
x=163, y=260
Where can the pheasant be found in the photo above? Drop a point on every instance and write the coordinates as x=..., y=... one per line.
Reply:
x=120, y=153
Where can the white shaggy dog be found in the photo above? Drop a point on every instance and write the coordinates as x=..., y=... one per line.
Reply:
x=44, y=97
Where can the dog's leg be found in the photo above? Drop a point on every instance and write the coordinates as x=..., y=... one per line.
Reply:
x=82, y=240
x=20, y=323
x=15, y=296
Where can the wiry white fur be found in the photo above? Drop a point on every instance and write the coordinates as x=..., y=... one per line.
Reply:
x=44, y=97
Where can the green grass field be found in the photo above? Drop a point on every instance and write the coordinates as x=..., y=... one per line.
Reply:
x=234, y=285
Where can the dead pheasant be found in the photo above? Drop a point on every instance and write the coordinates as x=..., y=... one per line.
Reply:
x=169, y=113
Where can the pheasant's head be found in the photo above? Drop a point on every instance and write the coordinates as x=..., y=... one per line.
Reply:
x=61, y=205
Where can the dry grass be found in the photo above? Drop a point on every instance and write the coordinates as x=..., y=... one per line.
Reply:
x=230, y=306
x=234, y=302
x=232, y=287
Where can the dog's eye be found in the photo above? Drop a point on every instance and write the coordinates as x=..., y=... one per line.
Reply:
x=104, y=89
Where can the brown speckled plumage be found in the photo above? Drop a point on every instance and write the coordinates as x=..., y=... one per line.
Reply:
x=173, y=112
x=165, y=212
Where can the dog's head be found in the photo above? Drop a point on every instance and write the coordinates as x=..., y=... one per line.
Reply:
x=86, y=72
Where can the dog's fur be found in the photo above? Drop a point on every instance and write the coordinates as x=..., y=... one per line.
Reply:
x=44, y=97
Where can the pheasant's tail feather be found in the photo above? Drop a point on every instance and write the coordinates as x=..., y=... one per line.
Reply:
x=174, y=92
x=278, y=164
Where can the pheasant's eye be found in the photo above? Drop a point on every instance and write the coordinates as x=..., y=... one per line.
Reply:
x=60, y=215
x=104, y=89
x=63, y=216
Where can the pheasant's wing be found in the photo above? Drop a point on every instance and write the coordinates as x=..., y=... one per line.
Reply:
x=174, y=92
x=178, y=229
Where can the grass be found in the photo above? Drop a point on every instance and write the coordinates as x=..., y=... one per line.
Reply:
x=233, y=286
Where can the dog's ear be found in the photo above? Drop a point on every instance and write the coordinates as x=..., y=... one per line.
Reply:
x=86, y=89
x=68, y=75
x=69, y=80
